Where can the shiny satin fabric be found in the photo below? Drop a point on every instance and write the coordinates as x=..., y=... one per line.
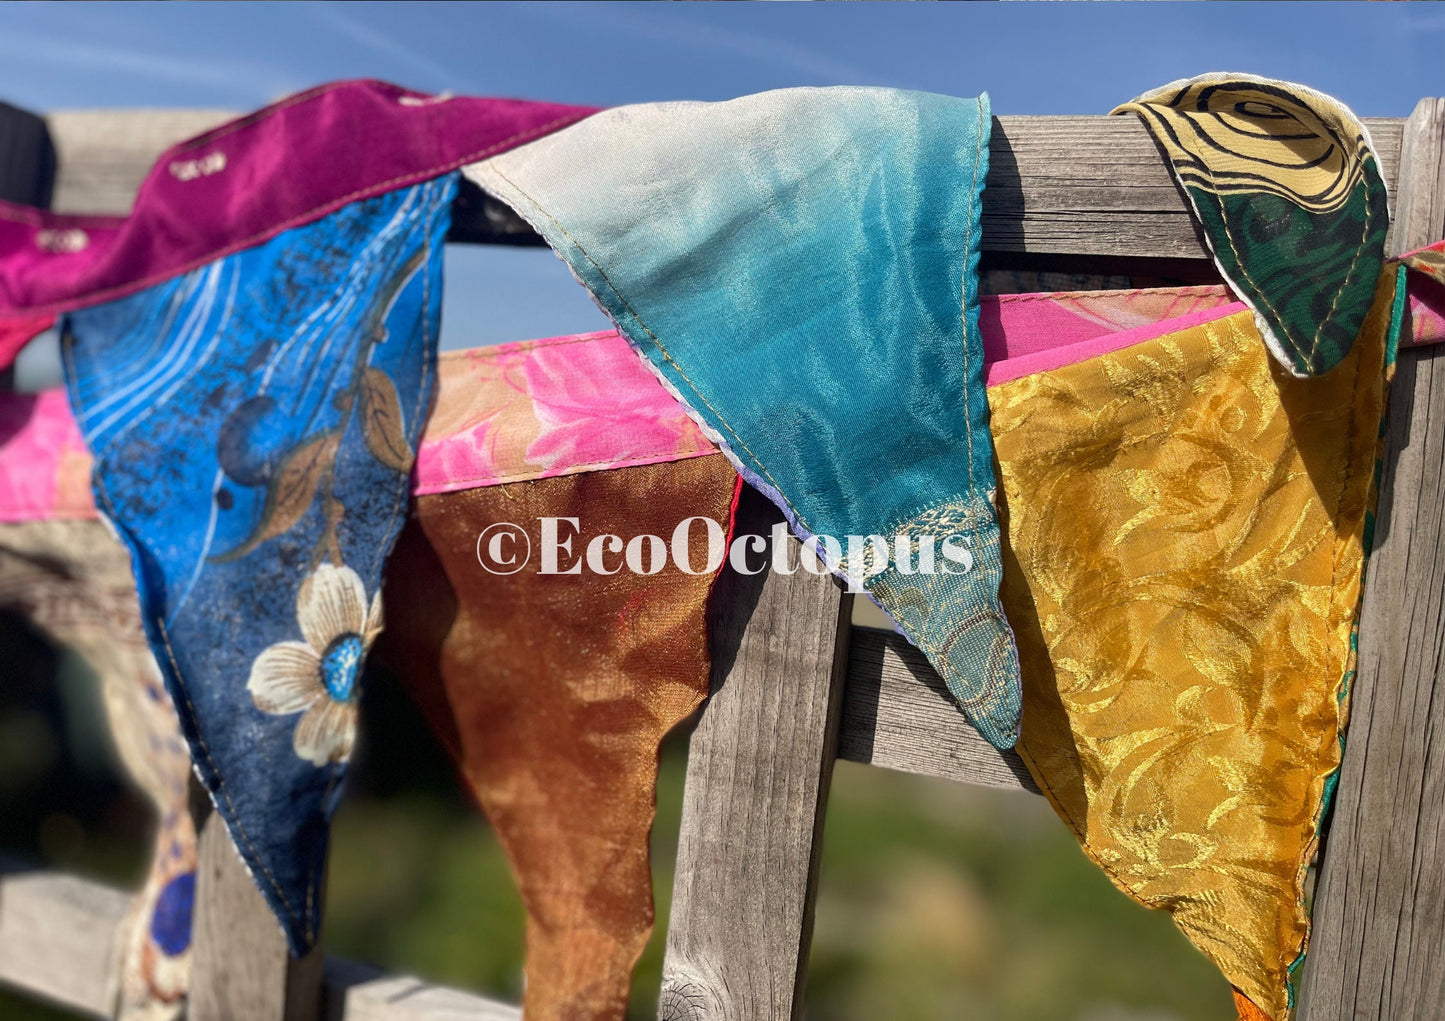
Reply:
x=245, y=181
x=44, y=466
x=522, y=411
x=801, y=268
x=1429, y=260
x=552, y=692
x=1287, y=186
x=254, y=425
x=538, y=408
x=72, y=580
x=1185, y=547
x=1426, y=293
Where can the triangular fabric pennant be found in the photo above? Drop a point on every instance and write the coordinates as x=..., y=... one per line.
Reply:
x=1287, y=186
x=253, y=425
x=800, y=268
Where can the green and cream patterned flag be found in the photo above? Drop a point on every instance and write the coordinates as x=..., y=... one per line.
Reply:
x=1286, y=184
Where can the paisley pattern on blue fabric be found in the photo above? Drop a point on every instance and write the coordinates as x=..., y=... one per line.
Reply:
x=254, y=424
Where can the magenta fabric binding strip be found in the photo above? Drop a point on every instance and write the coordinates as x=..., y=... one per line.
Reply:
x=1045, y=358
x=535, y=409
x=252, y=178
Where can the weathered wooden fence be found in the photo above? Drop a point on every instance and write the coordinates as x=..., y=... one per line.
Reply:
x=796, y=685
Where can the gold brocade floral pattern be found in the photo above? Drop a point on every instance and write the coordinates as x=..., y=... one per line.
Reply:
x=1182, y=570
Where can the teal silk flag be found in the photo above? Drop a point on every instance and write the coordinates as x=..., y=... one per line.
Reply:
x=800, y=269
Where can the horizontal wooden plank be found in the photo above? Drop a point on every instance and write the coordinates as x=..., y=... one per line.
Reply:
x=57, y=933
x=356, y=992
x=1079, y=186
x=897, y=713
x=1099, y=186
x=57, y=937
x=103, y=155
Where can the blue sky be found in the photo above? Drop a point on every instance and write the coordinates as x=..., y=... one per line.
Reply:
x=1032, y=58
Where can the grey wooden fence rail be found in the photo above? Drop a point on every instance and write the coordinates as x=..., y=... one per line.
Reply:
x=799, y=684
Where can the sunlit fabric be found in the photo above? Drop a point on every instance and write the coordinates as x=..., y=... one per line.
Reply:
x=800, y=268
x=538, y=408
x=570, y=406
x=1287, y=186
x=1426, y=308
x=254, y=425
x=72, y=581
x=44, y=466
x=252, y=178
x=553, y=691
x=1185, y=526
x=1429, y=260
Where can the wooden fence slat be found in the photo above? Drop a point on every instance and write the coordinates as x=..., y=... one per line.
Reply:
x=57, y=938
x=240, y=967
x=103, y=155
x=897, y=713
x=1378, y=949
x=758, y=770
x=1420, y=203
x=1077, y=186
x=761, y=757
x=356, y=992
x=1099, y=186
x=57, y=934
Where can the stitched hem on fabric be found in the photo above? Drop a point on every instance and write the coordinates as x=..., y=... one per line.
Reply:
x=531, y=210
x=455, y=483
x=1275, y=345
x=1324, y=784
x=309, y=216
x=157, y=635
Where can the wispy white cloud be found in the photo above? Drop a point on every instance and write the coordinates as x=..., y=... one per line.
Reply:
x=433, y=74
x=58, y=54
x=691, y=32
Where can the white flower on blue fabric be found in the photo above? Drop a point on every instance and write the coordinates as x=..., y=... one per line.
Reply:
x=317, y=677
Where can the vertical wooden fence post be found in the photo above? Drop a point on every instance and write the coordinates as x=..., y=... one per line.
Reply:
x=240, y=967
x=1378, y=949
x=758, y=770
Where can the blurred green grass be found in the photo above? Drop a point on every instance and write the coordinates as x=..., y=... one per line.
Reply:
x=936, y=900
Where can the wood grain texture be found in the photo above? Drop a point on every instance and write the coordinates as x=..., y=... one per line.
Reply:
x=57, y=938
x=240, y=967
x=103, y=155
x=1420, y=201
x=758, y=770
x=1099, y=186
x=57, y=933
x=897, y=713
x=1378, y=948
x=356, y=992
x=1091, y=186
